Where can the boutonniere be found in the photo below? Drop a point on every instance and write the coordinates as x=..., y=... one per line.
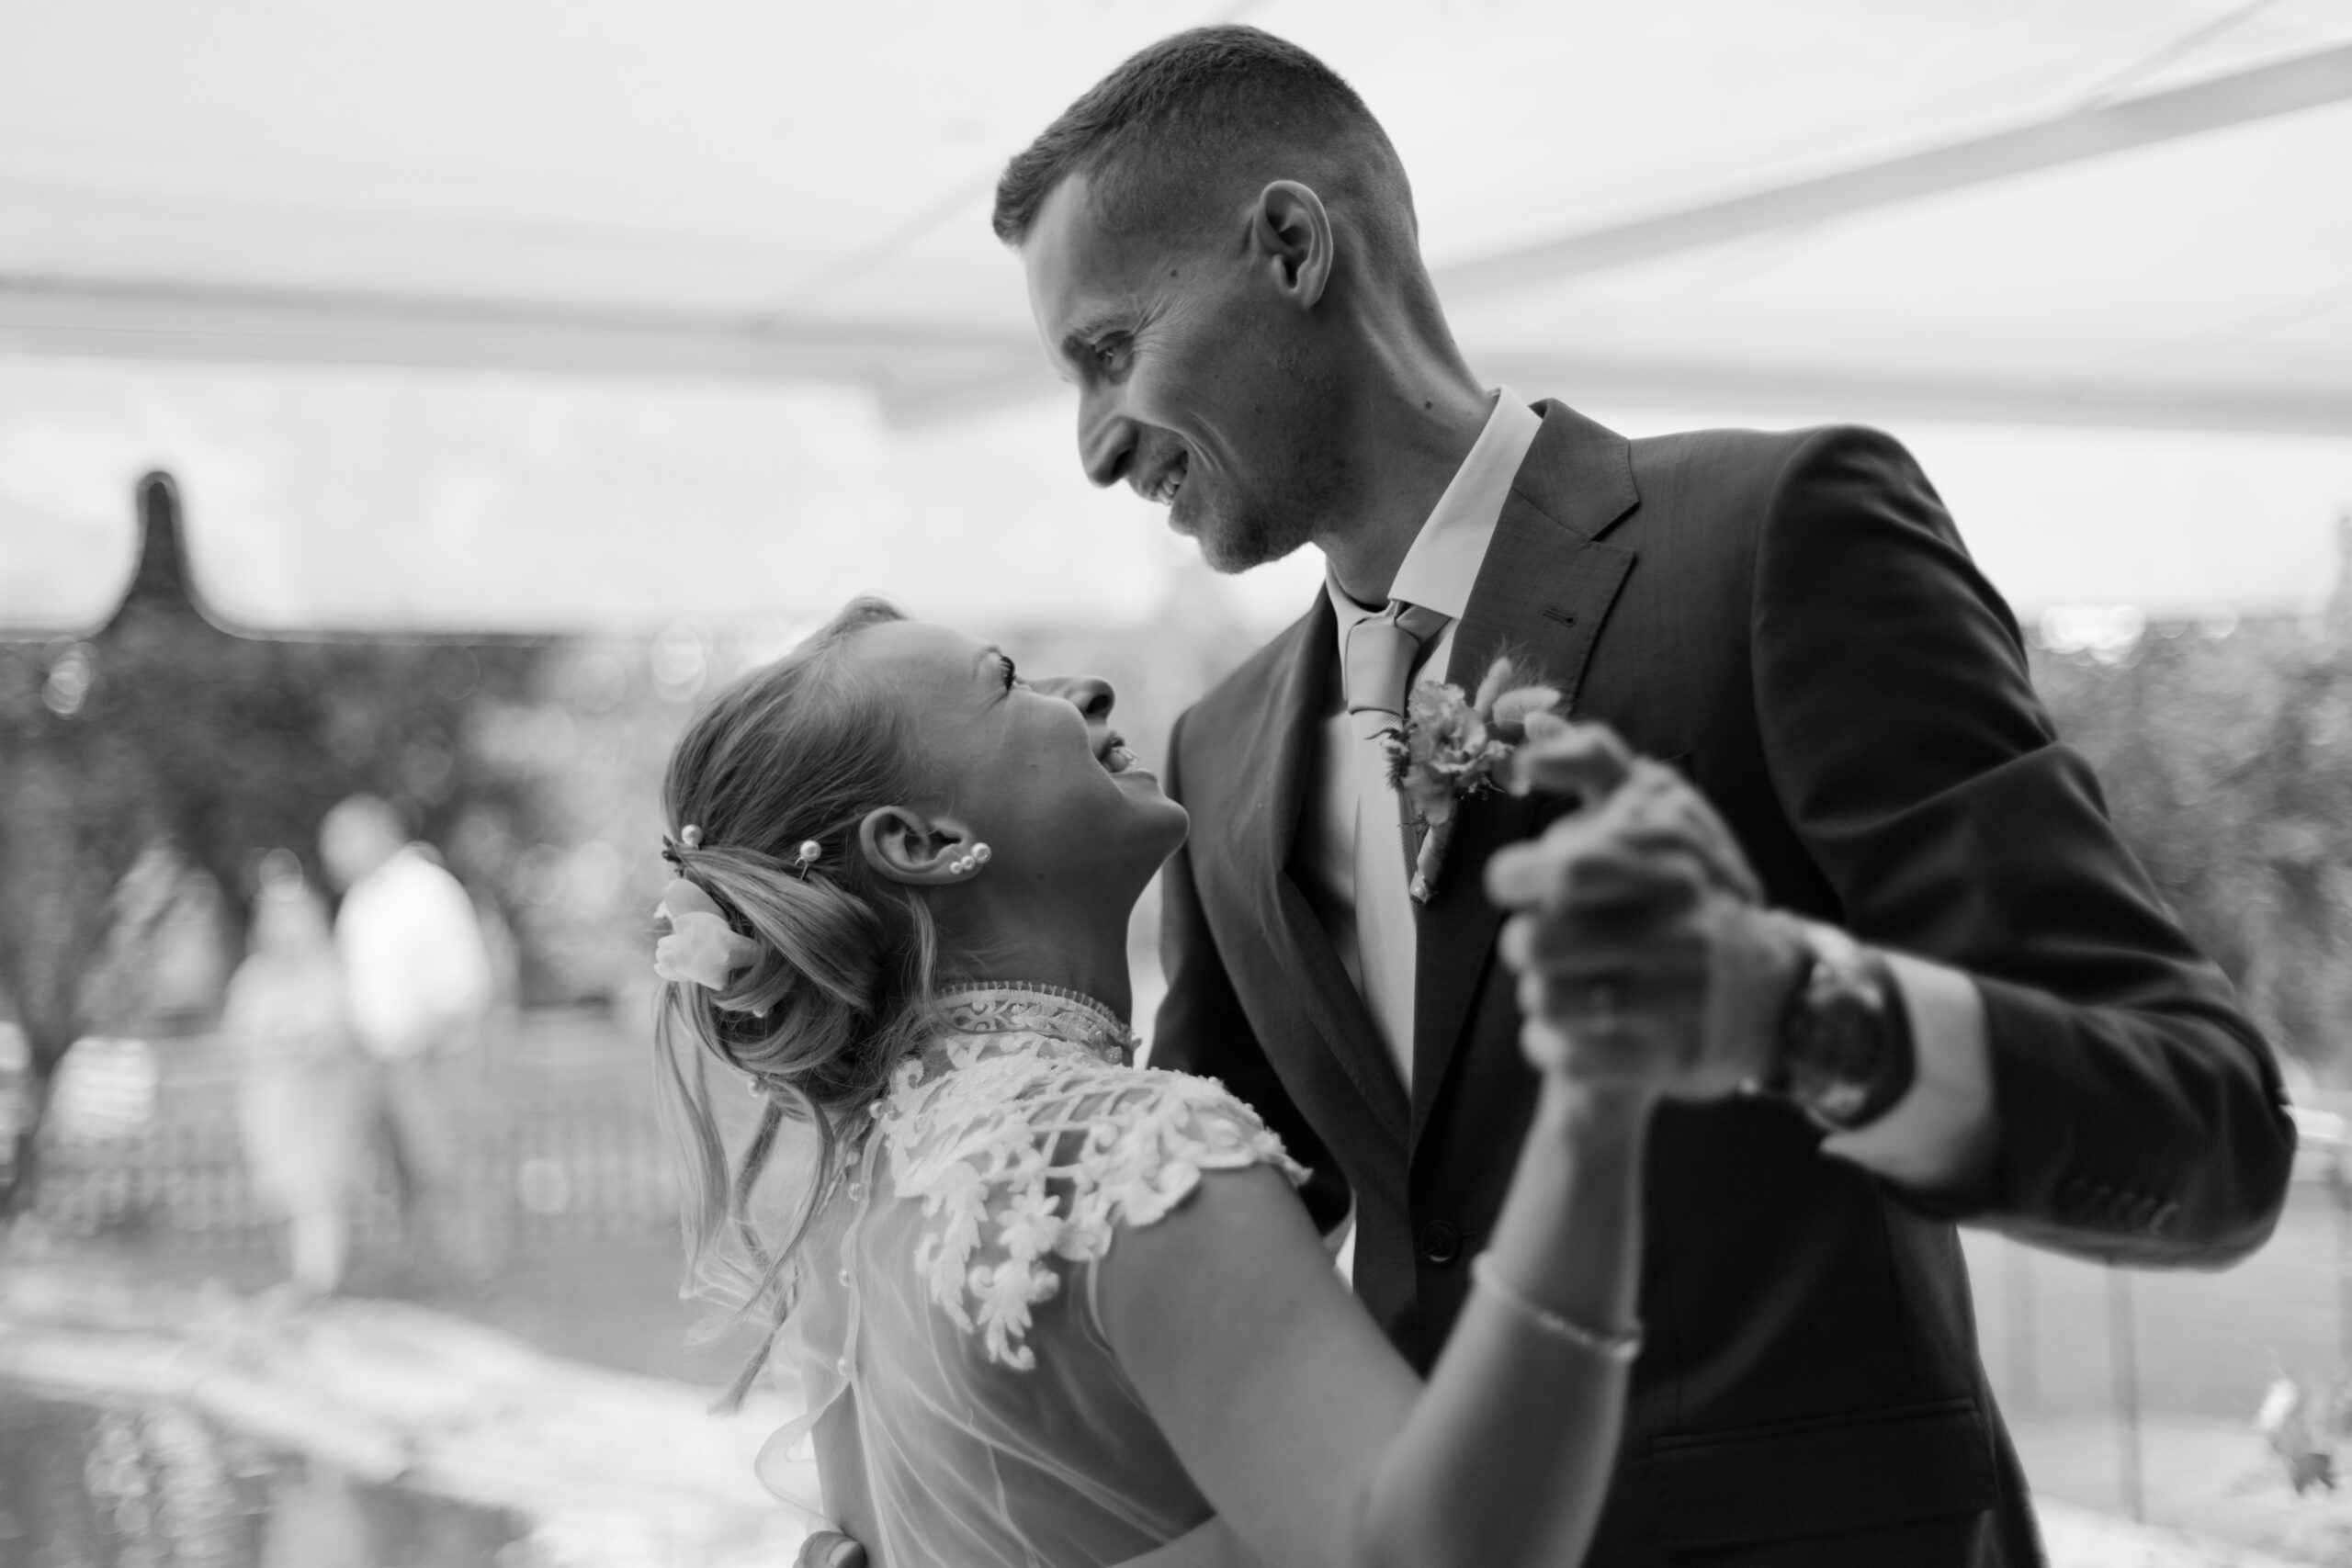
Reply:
x=1454, y=748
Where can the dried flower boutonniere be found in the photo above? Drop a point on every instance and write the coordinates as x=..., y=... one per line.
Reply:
x=1455, y=747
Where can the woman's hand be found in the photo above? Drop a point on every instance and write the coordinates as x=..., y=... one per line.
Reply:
x=1646, y=963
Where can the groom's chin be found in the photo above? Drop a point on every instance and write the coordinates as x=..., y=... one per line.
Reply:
x=1231, y=546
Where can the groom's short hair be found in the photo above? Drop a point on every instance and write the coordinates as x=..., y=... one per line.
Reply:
x=1198, y=121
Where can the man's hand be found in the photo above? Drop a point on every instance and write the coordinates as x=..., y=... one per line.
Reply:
x=1645, y=961
x=831, y=1548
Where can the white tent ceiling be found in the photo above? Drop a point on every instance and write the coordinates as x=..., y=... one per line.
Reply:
x=2127, y=212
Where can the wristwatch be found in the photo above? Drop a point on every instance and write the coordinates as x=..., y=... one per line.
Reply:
x=1845, y=1053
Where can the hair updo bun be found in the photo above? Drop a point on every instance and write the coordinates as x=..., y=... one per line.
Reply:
x=796, y=752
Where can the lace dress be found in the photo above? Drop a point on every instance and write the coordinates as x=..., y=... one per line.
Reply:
x=947, y=1289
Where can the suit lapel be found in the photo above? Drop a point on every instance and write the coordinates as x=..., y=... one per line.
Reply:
x=1542, y=595
x=1291, y=721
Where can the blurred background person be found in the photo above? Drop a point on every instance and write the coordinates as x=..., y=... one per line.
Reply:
x=298, y=1085
x=419, y=980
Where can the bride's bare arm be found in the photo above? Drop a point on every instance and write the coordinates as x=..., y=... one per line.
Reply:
x=1315, y=1441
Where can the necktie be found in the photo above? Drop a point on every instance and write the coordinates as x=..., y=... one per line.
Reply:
x=1377, y=661
x=1381, y=652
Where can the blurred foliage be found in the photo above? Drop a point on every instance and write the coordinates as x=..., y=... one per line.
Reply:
x=2226, y=755
x=162, y=735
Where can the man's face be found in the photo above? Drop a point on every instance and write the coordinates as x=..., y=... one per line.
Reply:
x=353, y=842
x=1199, y=381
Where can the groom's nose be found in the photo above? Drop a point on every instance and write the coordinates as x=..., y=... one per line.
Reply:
x=1106, y=440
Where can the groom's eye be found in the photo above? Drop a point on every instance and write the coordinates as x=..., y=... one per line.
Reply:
x=1108, y=352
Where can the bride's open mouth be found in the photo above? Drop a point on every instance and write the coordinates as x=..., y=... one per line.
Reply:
x=1114, y=754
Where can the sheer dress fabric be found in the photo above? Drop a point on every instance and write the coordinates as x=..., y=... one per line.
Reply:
x=947, y=1291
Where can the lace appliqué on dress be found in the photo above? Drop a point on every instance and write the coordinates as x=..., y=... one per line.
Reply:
x=1022, y=1141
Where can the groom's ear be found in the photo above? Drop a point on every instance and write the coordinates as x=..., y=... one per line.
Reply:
x=907, y=847
x=1292, y=233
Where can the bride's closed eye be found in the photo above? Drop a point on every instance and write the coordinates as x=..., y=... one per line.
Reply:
x=1011, y=675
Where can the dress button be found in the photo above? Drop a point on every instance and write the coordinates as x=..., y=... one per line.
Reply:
x=846, y=1277
x=1440, y=1243
x=842, y=1366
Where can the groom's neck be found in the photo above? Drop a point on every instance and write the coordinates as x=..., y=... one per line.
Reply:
x=1416, y=413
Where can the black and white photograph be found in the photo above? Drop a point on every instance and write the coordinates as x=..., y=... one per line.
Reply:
x=1112, y=783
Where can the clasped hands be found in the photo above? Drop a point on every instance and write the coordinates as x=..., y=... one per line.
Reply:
x=1647, y=963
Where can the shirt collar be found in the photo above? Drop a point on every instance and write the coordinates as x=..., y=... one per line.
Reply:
x=1443, y=565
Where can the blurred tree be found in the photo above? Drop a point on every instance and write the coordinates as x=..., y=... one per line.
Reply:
x=165, y=732
x=2226, y=755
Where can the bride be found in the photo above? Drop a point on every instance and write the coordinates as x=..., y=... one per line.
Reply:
x=1047, y=1307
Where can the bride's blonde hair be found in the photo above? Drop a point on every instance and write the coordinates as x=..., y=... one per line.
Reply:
x=797, y=751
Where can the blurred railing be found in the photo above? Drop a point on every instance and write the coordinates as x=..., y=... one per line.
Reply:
x=562, y=1143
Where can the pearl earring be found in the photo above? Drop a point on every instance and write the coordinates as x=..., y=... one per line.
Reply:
x=964, y=865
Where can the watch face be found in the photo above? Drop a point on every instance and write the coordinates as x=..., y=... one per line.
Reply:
x=1839, y=1034
x=1842, y=1104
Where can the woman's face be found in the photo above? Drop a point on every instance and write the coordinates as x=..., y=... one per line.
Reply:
x=290, y=923
x=1038, y=775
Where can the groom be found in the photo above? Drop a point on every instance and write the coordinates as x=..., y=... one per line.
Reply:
x=1221, y=256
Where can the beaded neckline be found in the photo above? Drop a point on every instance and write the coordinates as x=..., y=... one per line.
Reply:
x=1005, y=1007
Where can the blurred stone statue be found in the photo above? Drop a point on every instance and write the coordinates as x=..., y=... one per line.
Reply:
x=299, y=1085
x=419, y=985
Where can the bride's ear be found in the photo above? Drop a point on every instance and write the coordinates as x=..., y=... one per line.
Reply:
x=906, y=847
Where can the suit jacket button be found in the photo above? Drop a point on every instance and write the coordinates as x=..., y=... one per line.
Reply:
x=1440, y=1243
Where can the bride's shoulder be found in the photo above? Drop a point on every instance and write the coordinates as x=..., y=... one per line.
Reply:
x=1022, y=1154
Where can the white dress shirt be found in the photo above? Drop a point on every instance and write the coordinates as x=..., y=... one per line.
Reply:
x=417, y=972
x=1937, y=1135
x=1359, y=888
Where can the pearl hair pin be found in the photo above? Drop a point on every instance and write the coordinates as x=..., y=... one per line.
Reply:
x=811, y=851
x=674, y=850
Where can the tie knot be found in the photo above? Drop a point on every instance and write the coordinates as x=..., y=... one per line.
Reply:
x=1380, y=654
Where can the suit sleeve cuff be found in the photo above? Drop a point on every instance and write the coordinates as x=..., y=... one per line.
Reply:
x=1940, y=1137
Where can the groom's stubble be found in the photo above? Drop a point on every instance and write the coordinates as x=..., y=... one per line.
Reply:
x=1304, y=491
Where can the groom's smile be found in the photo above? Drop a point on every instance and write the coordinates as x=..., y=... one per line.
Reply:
x=1162, y=487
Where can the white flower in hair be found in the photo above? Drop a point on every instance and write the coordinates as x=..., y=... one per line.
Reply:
x=700, y=948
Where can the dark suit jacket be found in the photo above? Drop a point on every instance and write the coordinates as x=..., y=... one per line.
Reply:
x=1792, y=620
